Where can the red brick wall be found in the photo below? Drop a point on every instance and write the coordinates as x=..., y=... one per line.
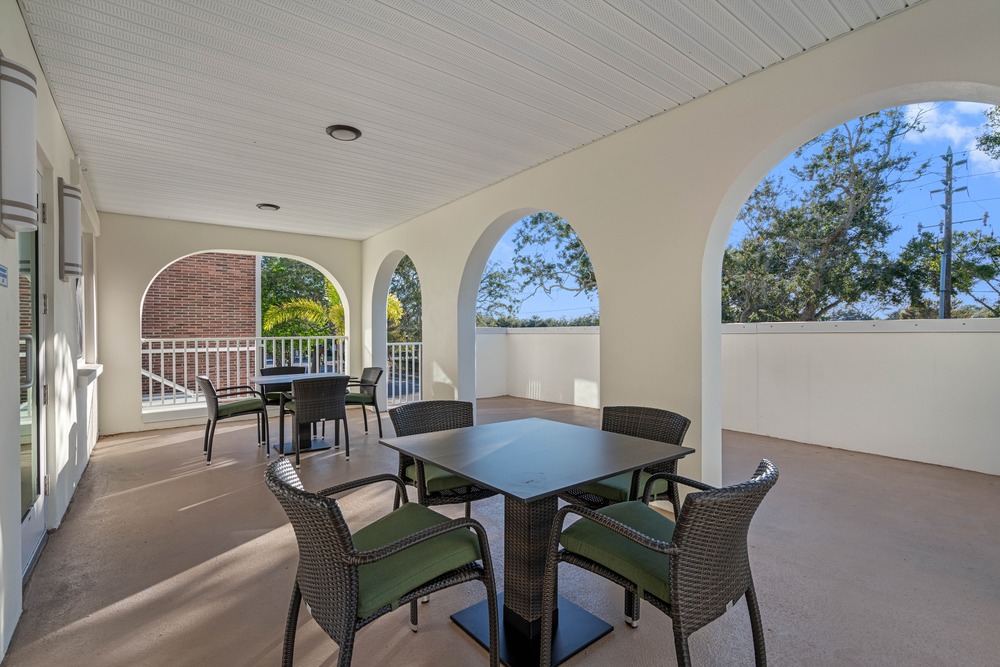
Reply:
x=204, y=295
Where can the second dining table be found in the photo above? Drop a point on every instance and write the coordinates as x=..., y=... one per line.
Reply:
x=308, y=444
x=529, y=462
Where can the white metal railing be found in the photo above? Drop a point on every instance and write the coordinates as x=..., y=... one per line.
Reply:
x=403, y=376
x=170, y=365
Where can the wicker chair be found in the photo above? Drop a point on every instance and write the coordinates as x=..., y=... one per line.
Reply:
x=366, y=394
x=434, y=485
x=232, y=406
x=350, y=579
x=692, y=570
x=651, y=424
x=273, y=391
x=315, y=400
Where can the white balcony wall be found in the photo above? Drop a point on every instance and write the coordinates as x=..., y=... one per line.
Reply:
x=558, y=365
x=922, y=390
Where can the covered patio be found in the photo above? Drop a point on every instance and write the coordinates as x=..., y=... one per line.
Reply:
x=175, y=119
x=858, y=560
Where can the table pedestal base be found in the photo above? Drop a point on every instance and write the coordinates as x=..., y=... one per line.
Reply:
x=576, y=630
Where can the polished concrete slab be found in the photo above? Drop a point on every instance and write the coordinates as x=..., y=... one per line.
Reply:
x=858, y=560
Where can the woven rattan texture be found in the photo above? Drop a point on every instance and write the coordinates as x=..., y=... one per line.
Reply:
x=327, y=574
x=212, y=396
x=526, y=542
x=428, y=417
x=641, y=422
x=709, y=560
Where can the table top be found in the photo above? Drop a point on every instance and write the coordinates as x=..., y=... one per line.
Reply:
x=292, y=377
x=529, y=459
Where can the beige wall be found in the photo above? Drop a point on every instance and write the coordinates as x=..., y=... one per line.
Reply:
x=923, y=390
x=133, y=250
x=655, y=203
x=66, y=446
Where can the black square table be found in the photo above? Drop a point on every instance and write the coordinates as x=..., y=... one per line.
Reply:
x=306, y=443
x=529, y=462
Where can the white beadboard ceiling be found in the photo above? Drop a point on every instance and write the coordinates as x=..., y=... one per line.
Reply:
x=199, y=110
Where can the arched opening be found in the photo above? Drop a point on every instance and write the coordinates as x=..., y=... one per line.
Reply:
x=229, y=314
x=397, y=338
x=536, y=310
x=843, y=370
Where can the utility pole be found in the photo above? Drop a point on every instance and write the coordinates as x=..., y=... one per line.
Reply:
x=944, y=305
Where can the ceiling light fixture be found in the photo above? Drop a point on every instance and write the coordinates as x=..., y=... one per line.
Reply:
x=343, y=132
x=268, y=207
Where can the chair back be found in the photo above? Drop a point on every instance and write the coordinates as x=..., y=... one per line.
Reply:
x=427, y=417
x=712, y=566
x=279, y=370
x=327, y=581
x=211, y=398
x=317, y=399
x=369, y=379
x=649, y=423
x=430, y=416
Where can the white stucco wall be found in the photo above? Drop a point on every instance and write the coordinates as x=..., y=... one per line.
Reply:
x=130, y=253
x=64, y=459
x=923, y=390
x=654, y=205
x=491, y=362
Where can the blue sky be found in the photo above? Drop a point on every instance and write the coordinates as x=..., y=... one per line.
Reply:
x=954, y=124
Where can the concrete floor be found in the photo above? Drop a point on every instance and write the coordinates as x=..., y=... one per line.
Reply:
x=858, y=560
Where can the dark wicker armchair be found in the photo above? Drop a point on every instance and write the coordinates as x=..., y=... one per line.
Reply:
x=350, y=579
x=434, y=485
x=651, y=424
x=232, y=405
x=365, y=393
x=692, y=570
x=315, y=400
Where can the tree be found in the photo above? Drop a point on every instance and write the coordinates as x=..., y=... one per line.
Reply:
x=498, y=296
x=282, y=280
x=326, y=314
x=989, y=141
x=975, y=273
x=549, y=256
x=404, y=286
x=818, y=245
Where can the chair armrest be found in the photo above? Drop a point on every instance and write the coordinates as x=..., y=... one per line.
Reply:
x=701, y=486
x=361, y=384
x=365, y=481
x=237, y=390
x=383, y=552
x=609, y=523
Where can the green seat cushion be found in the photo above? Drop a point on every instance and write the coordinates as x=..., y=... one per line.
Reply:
x=384, y=582
x=273, y=397
x=238, y=406
x=647, y=569
x=616, y=488
x=367, y=399
x=436, y=478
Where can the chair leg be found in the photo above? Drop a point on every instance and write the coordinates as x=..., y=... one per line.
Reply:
x=681, y=646
x=346, y=652
x=756, y=627
x=378, y=419
x=468, y=509
x=632, y=602
x=548, y=605
x=364, y=411
x=281, y=432
x=336, y=438
x=267, y=435
x=347, y=439
x=204, y=446
x=413, y=615
x=290, y=626
x=211, y=441
x=296, y=437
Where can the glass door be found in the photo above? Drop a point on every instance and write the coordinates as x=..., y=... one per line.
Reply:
x=30, y=441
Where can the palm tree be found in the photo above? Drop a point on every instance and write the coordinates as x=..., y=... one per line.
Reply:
x=328, y=313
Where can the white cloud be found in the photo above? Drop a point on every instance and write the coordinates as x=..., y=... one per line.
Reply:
x=957, y=124
x=971, y=108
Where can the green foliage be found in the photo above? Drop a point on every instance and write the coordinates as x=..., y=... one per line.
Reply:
x=404, y=286
x=590, y=320
x=989, y=141
x=817, y=246
x=975, y=266
x=549, y=256
x=283, y=280
x=326, y=314
x=498, y=295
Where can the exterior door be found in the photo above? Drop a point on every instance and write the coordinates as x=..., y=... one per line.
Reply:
x=31, y=399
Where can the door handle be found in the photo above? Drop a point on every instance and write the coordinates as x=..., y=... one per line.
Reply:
x=29, y=366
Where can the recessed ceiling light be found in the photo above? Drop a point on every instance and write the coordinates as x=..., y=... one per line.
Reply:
x=268, y=207
x=343, y=132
